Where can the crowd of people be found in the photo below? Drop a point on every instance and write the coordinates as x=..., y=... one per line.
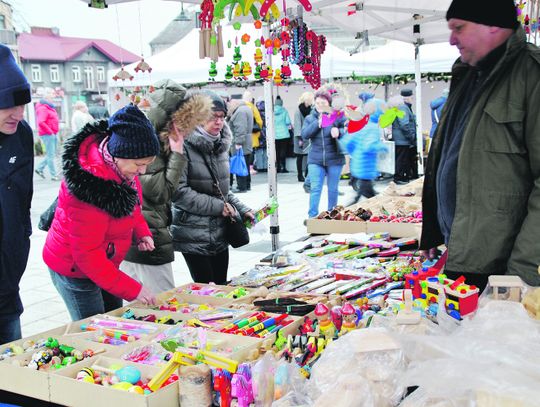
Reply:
x=138, y=186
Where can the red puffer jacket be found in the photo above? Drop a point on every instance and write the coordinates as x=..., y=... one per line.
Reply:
x=47, y=119
x=97, y=218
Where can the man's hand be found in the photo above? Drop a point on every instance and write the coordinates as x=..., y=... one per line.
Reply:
x=238, y=146
x=146, y=244
x=429, y=254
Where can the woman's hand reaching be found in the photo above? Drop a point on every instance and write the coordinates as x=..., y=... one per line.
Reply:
x=146, y=244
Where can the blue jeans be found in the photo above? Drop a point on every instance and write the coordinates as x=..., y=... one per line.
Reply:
x=316, y=174
x=83, y=298
x=10, y=329
x=50, y=150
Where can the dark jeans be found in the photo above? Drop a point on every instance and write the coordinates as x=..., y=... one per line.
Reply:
x=301, y=166
x=413, y=162
x=281, y=154
x=10, y=328
x=208, y=269
x=83, y=298
x=403, y=163
x=244, y=183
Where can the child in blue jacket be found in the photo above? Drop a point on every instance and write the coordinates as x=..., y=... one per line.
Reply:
x=364, y=147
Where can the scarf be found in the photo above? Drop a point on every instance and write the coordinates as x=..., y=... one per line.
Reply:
x=109, y=160
x=304, y=110
x=206, y=135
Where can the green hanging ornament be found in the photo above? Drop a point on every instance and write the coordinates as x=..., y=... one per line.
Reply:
x=257, y=42
x=213, y=39
x=229, y=44
x=237, y=26
x=257, y=73
x=212, y=72
x=237, y=55
x=229, y=74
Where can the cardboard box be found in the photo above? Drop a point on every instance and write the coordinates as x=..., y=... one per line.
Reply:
x=16, y=377
x=65, y=389
x=162, y=298
x=327, y=226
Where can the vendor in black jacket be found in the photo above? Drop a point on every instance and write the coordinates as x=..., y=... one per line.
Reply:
x=16, y=169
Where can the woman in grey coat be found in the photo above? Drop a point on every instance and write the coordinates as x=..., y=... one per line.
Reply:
x=199, y=212
x=301, y=147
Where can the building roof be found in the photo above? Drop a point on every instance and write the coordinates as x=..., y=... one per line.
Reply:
x=45, y=44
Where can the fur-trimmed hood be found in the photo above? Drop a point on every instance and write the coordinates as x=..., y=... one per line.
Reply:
x=95, y=182
x=205, y=146
x=195, y=110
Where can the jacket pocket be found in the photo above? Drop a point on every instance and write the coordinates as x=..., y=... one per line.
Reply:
x=504, y=133
x=507, y=203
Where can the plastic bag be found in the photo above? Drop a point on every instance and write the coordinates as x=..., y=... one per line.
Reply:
x=238, y=164
x=491, y=360
x=262, y=374
x=362, y=369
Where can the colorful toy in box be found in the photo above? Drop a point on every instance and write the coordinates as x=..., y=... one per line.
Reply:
x=241, y=386
x=214, y=291
x=268, y=209
x=27, y=346
x=55, y=356
x=349, y=318
x=325, y=327
x=461, y=299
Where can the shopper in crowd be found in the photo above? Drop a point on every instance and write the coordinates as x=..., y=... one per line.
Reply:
x=247, y=97
x=99, y=110
x=47, y=123
x=407, y=95
x=16, y=171
x=174, y=114
x=260, y=157
x=325, y=158
x=404, y=137
x=99, y=214
x=301, y=148
x=282, y=127
x=364, y=147
x=482, y=187
x=80, y=116
x=436, y=106
x=200, y=206
x=241, y=126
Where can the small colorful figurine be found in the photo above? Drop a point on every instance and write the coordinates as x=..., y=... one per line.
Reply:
x=325, y=327
x=349, y=318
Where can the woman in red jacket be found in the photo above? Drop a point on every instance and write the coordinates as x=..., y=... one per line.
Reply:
x=99, y=214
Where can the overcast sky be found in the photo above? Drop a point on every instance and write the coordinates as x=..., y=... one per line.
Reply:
x=119, y=23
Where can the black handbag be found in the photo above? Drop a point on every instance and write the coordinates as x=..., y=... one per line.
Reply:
x=46, y=218
x=236, y=233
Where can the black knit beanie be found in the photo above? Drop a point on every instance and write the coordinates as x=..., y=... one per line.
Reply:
x=218, y=104
x=14, y=88
x=132, y=134
x=497, y=13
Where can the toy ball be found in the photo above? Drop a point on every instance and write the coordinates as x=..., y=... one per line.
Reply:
x=125, y=386
x=128, y=374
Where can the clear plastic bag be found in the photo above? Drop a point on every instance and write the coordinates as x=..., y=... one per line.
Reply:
x=362, y=368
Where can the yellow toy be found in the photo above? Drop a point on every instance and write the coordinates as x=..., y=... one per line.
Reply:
x=325, y=327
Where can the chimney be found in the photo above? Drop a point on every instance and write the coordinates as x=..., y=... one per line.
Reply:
x=45, y=31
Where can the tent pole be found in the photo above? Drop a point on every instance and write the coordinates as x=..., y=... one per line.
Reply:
x=419, y=136
x=271, y=147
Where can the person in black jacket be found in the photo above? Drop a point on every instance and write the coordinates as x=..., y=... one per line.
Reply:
x=16, y=169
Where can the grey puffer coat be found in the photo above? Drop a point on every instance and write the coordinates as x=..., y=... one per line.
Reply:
x=198, y=226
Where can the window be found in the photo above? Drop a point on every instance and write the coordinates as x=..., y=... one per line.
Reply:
x=2, y=22
x=76, y=73
x=100, y=74
x=55, y=73
x=36, y=73
x=89, y=77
